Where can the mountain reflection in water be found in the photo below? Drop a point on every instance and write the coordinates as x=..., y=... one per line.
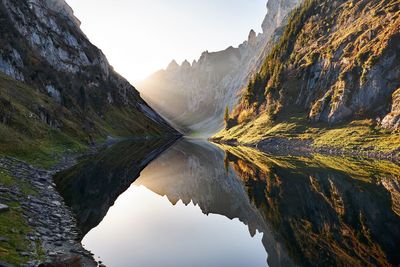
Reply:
x=301, y=211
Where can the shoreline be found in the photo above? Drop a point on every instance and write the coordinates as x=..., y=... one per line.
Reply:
x=52, y=225
x=278, y=145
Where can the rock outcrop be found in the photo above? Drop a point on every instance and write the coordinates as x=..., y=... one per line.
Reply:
x=194, y=96
x=392, y=120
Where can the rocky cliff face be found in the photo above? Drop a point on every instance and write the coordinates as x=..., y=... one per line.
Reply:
x=42, y=45
x=194, y=96
x=337, y=61
x=392, y=120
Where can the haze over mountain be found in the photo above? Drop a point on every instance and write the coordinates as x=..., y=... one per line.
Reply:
x=140, y=37
x=193, y=95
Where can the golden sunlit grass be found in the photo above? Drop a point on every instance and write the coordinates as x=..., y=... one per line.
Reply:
x=361, y=135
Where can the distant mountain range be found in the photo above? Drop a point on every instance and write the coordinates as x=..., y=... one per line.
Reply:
x=193, y=96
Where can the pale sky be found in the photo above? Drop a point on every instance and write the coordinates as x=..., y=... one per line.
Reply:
x=140, y=37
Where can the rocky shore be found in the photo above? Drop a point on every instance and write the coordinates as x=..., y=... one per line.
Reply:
x=52, y=226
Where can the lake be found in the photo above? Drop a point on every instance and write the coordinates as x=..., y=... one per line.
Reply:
x=192, y=203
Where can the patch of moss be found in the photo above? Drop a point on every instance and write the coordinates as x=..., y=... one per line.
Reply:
x=6, y=179
x=14, y=229
x=24, y=186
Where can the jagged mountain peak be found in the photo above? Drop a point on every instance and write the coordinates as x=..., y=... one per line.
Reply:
x=252, y=40
x=173, y=65
x=215, y=80
x=276, y=13
x=185, y=64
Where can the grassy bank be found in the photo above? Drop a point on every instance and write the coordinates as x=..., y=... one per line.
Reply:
x=355, y=136
x=14, y=228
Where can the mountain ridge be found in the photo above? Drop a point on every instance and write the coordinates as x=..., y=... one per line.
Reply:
x=194, y=96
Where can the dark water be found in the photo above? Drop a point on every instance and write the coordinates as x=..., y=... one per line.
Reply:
x=150, y=204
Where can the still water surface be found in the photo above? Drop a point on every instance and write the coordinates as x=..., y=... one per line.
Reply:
x=197, y=204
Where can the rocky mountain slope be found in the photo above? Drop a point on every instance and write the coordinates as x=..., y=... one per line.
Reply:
x=59, y=85
x=193, y=96
x=333, y=77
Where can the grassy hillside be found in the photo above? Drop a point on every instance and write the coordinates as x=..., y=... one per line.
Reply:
x=70, y=96
x=35, y=129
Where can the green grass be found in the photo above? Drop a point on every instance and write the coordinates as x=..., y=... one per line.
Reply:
x=247, y=133
x=25, y=136
x=14, y=228
x=44, y=152
x=126, y=122
x=24, y=186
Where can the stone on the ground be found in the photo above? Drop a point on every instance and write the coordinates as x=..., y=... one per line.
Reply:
x=5, y=264
x=4, y=208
